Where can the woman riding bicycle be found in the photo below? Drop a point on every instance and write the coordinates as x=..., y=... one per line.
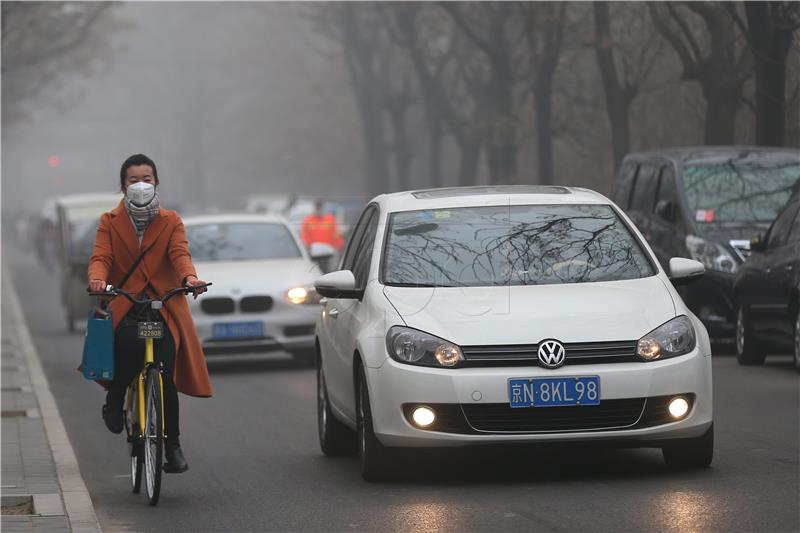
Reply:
x=143, y=246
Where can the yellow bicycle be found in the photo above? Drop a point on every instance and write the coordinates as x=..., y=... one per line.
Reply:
x=144, y=406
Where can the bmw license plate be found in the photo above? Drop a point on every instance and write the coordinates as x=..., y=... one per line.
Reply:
x=238, y=330
x=554, y=392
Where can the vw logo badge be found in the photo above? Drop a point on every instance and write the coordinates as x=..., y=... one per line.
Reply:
x=551, y=353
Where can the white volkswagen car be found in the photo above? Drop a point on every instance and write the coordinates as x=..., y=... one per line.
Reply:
x=525, y=314
x=263, y=298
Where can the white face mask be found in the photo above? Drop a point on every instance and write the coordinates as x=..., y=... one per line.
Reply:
x=140, y=193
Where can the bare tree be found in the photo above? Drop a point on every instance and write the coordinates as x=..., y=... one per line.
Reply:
x=40, y=42
x=712, y=53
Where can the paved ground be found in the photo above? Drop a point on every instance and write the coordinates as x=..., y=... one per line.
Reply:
x=255, y=463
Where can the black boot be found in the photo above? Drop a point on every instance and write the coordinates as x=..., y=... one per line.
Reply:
x=175, y=461
x=112, y=411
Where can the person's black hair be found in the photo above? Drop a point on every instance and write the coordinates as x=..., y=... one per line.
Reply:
x=134, y=161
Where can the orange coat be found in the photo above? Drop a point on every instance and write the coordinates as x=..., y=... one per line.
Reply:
x=321, y=229
x=164, y=266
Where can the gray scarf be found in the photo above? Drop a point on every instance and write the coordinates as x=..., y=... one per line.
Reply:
x=142, y=216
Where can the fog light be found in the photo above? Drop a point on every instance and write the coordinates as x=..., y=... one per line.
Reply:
x=423, y=416
x=678, y=407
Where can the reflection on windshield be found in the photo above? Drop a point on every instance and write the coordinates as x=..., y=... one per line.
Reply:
x=510, y=245
x=729, y=192
x=240, y=242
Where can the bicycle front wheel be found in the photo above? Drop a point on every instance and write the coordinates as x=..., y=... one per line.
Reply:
x=134, y=440
x=154, y=435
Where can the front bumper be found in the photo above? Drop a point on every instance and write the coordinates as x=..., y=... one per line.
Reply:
x=287, y=328
x=394, y=385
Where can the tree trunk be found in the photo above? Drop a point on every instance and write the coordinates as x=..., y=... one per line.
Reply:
x=771, y=46
x=434, y=150
x=544, y=134
x=721, y=107
x=401, y=146
x=470, y=157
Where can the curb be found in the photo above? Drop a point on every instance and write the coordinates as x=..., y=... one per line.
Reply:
x=77, y=501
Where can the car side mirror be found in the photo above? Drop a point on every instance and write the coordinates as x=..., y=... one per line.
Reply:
x=757, y=243
x=666, y=210
x=338, y=284
x=682, y=270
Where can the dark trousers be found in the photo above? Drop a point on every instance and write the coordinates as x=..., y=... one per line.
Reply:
x=128, y=361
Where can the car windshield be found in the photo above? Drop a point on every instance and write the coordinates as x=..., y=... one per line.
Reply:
x=241, y=241
x=511, y=245
x=731, y=192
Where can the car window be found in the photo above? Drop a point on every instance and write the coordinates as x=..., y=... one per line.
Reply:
x=794, y=233
x=666, y=186
x=363, y=255
x=627, y=174
x=779, y=232
x=510, y=245
x=644, y=189
x=355, y=237
x=241, y=241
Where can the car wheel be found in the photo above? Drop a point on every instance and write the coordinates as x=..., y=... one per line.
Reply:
x=747, y=350
x=691, y=453
x=375, y=458
x=797, y=340
x=335, y=438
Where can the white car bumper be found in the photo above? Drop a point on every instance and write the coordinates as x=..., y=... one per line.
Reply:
x=401, y=384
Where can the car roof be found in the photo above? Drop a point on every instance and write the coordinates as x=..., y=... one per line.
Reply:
x=91, y=198
x=480, y=195
x=228, y=218
x=710, y=154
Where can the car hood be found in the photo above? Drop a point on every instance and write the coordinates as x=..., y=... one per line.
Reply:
x=725, y=232
x=579, y=312
x=262, y=275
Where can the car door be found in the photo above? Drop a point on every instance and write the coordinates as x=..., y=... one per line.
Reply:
x=344, y=316
x=667, y=227
x=770, y=302
x=782, y=275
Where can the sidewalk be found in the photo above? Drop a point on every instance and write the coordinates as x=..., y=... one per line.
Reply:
x=41, y=481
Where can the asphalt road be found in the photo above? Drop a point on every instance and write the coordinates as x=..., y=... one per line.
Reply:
x=255, y=463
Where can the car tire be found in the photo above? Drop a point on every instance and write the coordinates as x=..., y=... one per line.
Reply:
x=697, y=452
x=797, y=340
x=376, y=460
x=335, y=439
x=748, y=352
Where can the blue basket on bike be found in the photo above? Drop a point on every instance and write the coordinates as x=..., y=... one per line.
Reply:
x=98, y=347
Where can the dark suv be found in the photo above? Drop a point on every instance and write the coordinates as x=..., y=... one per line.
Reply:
x=706, y=203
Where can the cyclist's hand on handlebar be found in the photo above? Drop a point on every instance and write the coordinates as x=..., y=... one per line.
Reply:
x=97, y=285
x=192, y=281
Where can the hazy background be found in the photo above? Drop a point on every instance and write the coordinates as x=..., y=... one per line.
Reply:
x=324, y=99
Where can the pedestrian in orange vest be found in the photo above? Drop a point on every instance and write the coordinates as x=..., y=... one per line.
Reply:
x=321, y=227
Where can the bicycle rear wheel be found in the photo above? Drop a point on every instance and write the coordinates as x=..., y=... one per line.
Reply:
x=153, y=435
x=134, y=438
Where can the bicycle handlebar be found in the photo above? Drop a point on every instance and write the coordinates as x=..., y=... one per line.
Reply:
x=116, y=292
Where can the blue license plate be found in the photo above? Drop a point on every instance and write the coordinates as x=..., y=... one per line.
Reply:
x=238, y=330
x=554, y=392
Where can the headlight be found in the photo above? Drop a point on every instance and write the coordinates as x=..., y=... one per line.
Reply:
x=713, y=256
x=306, y=294
x=416, y=347
x=674, y=338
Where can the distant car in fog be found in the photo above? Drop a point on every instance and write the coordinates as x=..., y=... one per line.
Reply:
x=263, y=297
x=706, y=203
x=768, y=291
x=76, y=225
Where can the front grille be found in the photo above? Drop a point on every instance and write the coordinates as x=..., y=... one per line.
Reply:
x=580, y=353
x=255, y=304
x=217, y=306
x=502, y=418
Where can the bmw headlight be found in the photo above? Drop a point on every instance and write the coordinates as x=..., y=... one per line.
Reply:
x=415, y=347
x=713, y=256
x=674, y=338
x=305, y=294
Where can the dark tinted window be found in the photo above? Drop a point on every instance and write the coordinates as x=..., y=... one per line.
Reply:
x=355, y=237
x=511, y=245
x=645, y=189
x=622, y=196
x=666, y=186
x=363, y=255
x=794, y=234
x=241, y=241
x=779, y=232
